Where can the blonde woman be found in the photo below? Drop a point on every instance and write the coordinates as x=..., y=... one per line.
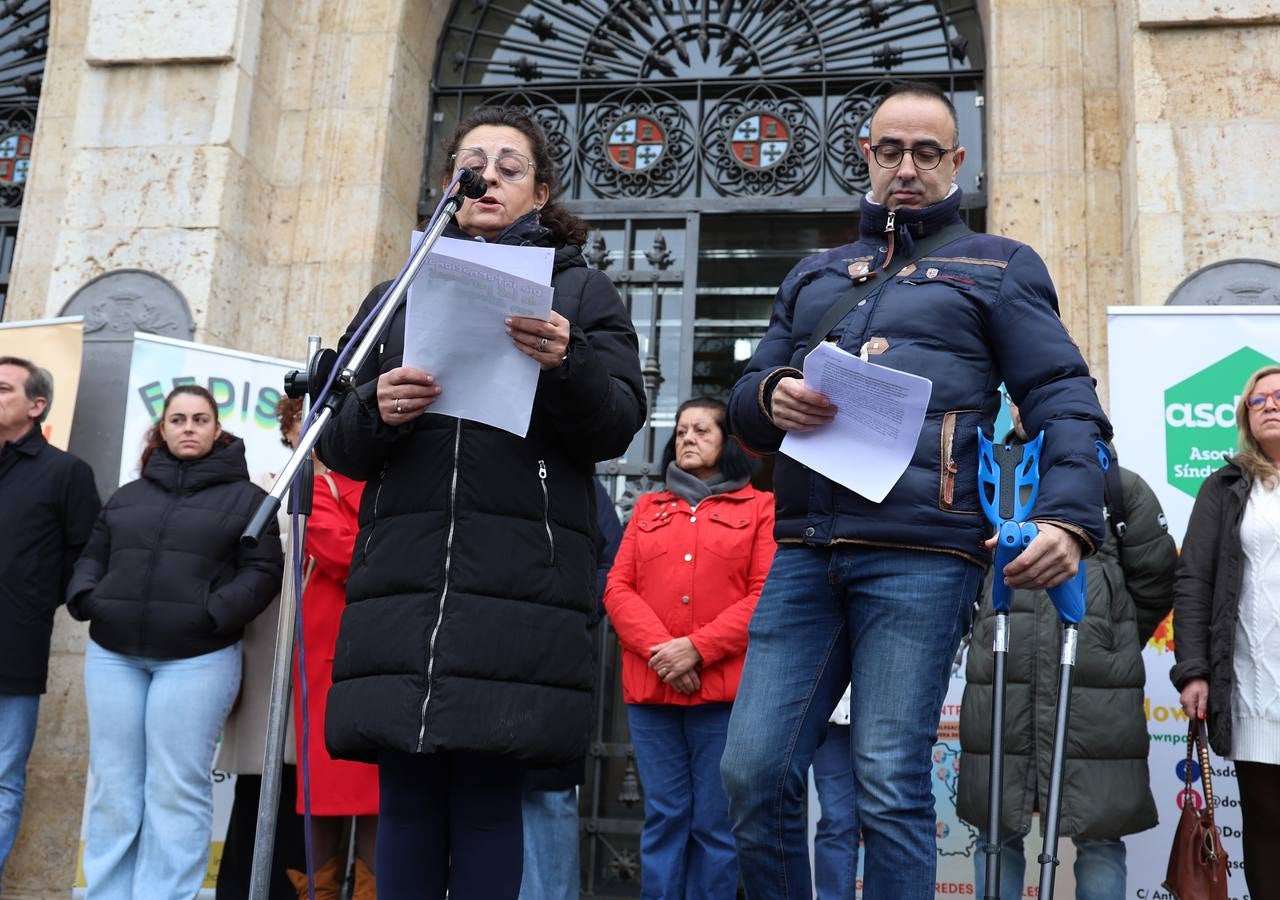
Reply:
x=1227, y=621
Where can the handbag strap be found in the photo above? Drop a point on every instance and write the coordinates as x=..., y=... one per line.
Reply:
x=852, y=297
x=1202, y=747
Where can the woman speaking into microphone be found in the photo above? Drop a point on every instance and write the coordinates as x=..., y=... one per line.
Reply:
x=463, y=655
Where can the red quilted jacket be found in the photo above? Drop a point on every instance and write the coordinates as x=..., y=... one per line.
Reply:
x=686, y=573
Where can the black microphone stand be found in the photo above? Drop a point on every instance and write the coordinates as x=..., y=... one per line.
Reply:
x=317, y=378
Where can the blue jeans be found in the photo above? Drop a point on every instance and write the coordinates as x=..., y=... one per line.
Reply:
x=835, y=844
x=889, y=620
x=686, y=849
x=153, y=727
x=17, y=732
x=550, y=846
x=1099, y=869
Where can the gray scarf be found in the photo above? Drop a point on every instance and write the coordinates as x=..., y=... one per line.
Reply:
x=694, y=490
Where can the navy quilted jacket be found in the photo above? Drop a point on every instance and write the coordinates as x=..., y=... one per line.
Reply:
x=978, y=311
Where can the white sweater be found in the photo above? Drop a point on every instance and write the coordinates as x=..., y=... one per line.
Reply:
x=1255, y=696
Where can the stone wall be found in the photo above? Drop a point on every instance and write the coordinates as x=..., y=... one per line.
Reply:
x=1054, y=152
x=266, y=160
x=262, y=155
x=1201, y=137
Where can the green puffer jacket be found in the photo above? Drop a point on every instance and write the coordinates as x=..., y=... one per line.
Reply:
x=1106, y=788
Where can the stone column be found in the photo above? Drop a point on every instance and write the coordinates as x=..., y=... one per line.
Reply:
x=264, y=156
x=1201, y=130
x=1053, y=152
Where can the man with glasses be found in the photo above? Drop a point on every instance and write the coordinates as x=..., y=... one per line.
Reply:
x=877, y=595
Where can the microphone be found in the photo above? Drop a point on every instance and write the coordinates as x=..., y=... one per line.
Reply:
x=471, y=185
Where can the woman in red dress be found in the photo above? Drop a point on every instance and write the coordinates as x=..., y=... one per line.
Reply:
x=339, y=789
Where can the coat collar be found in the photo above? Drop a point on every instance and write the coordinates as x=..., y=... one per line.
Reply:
x=746, y=492
x=29, y=444
x=918, y=222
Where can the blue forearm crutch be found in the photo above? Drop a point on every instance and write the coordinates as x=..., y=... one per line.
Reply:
x=1008, y=481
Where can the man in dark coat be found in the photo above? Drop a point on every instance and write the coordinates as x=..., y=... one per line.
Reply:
x=1107, y=792
x=879, y=593
x=47, y=506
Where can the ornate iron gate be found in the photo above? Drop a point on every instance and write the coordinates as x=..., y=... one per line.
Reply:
x=24, y=39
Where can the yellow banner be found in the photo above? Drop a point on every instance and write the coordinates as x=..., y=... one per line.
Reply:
x=53, y=344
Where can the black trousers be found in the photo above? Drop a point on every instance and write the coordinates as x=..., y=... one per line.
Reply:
x=449, y=822
x=1260, y=815
x=237, y=851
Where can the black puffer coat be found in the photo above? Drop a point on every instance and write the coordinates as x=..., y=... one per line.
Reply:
x=1206, y=598
x=1107, y=790
x=164, y=574
x=472, y=584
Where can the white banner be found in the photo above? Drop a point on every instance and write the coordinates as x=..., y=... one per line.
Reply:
x=1176, y=375
x=246, y=387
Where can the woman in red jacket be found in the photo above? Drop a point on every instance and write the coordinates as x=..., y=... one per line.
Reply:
x=683, y=586
x=339, y=789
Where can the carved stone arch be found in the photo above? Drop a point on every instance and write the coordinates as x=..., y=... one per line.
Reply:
x=1230, y=282
x=120, y=302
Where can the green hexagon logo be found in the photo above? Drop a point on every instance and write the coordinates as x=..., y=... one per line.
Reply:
x=1200, y=418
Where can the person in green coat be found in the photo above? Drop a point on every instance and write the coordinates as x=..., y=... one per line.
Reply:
x=1106, y=786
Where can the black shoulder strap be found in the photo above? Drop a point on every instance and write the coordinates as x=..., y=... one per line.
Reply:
x=852, y=297
x=1117, y=511
x=1113, y=491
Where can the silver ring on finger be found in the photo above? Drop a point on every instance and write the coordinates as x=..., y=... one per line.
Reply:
x=396, y=408
x=542, y=345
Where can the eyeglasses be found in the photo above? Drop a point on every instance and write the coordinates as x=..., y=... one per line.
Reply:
x=512, y=166
x=889, y=156
x=1257, y=401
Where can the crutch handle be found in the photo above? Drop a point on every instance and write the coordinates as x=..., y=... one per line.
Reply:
x=1011, y=539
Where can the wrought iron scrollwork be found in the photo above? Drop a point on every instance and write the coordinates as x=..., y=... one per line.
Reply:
x=637, y=143
x=24, y=41
x=551, y=116
x=761, y=140
x=845, y=126
x=684, y=40
x=597, y=253
x=17, y=132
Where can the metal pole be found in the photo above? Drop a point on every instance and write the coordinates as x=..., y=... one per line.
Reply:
x=347, y=377
x=282, y=670
x=995, y=787
x=1049, y=857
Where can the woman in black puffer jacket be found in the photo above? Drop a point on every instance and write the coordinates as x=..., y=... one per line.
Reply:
x=464, y=653
x=167, y=590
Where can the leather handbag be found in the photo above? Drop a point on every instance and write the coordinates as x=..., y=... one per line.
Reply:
x=1197, y=862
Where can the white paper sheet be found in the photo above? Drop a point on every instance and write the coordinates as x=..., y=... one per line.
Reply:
x=454, y=328
x=879, y=415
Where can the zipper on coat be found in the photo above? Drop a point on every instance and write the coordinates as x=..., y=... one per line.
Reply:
x=890, y=225
x=948, y=460
x=373, y=524
x=546, y=508
x=444, y=591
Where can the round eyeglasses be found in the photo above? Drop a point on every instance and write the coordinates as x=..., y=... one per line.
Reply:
x=1257, y=401
x=512, y=166
x=889, y=156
